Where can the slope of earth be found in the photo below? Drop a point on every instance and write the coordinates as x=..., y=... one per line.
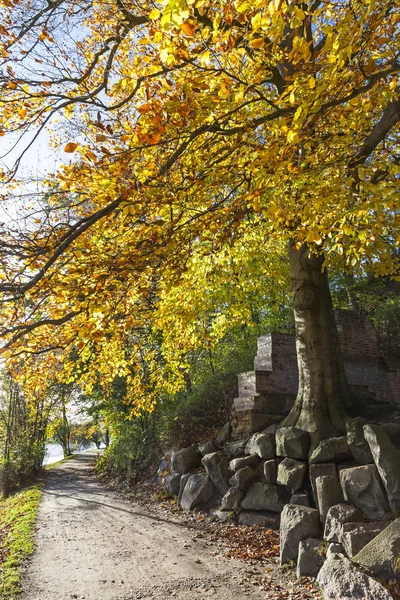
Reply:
x=91, y=544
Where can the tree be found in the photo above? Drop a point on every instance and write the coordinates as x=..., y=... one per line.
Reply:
x=192, y=125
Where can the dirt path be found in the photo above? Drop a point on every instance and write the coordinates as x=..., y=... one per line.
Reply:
x=91, y=545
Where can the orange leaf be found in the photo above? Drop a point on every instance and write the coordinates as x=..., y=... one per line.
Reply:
x=70, y=147
x=22, y=112
x=188, y=29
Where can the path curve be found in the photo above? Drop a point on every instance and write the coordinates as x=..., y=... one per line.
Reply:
x=92, y=545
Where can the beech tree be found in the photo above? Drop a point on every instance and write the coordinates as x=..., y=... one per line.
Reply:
x=196, y=128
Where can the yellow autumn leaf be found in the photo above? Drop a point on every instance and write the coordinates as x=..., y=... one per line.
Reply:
x=257, y=43
x=154, y=14
x=22, y=113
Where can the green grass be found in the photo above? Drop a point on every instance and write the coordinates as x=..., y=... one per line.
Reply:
x=17, y=527
x=55, y=464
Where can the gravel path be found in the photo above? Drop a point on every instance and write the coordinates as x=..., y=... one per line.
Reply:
x=92, y=545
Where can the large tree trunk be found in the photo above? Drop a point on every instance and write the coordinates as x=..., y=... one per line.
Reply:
x=323, y=395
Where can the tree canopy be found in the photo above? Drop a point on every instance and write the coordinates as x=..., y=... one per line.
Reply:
x=204, y=136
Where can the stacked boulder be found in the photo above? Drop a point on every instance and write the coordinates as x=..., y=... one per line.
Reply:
x=334, y=502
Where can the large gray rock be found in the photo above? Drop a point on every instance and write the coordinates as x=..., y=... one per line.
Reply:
x=218, y=471
x=163, y=467
x=301, y=498
x=336, y=517
x=207, y=448
x=382, y=555
x=172, y=483
x=387, y=460
x=357, y=444
x=354, y=536
x=263, y=518
x=262, y=444
x=319, y=471
x=339, y=579
x=182, y=484
x=265, y=496
x=198, y=490
x=329, y=493
x=362, y=487
x=269, y=470
x=232, y=499
x=311, y=557
x=235, y=449
x=184, y=460
x=334, y=548
x=331, y=450
x=291, y=473
x=292, y=442
x=297, y=523
x=243, y=479
x=247, y=461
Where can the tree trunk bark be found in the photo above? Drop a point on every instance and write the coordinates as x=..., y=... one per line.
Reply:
x=323, y=395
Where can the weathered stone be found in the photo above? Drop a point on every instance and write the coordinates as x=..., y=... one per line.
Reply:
x=382, y=555
x=292, y=442
x=222, y=515
x=387, y=460
x=291, y=472
x=163, y=467
x=263, y=518
x=297, y=523
x=336, y=517
x=232, y=499
x=319, y=471
x=269, y=470
x=248, y=461
x=393, y=431
x=218, y=471
x=265, y=496
x=301, y=498
x=243, y=479
x=357, y=444
x=331, y=450
x=172, y=483
x=311, y=557
x=182, y=484
x=185, y=459
x=339, y=579
x=235, y=449
x=262, y=444
x=223, y=434
x=354, y=536
x=334, y=548
x=198, y=490
x=328, y=492
x=207, y=448
x=362, y=487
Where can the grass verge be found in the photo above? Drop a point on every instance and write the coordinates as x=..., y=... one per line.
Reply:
x=55, y=464
x=17, y=526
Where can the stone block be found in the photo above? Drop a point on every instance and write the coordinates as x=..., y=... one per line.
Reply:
x=182, y=484
x=362, y=487
x=393, y=431
x=217, y=469
x=336, y=517
x=291, y=473
x=297, y=524
x=292, y=442
x=329, y=493
x=269, y=470
x=232, y=499
x=319, y=471
x=207, y=448
x=331, y=450
x=381, y=556
x=387, y=461
x=262, y=518
x=334, y=548
x=358, y=446
x=262, y=444
x=265, y=496
x=339, y=579
x=301, y=498
x=243, y=479
x=185, y=460
x=235, y=449
x=172, y=483
x=247, y=461
x=354, y=536
x=311, y=557
x=198, y=490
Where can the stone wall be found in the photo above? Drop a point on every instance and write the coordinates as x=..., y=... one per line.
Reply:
x=267, y=393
